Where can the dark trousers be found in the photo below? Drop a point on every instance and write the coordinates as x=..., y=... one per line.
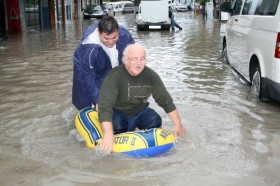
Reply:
x=146, y=119
x=174, y=23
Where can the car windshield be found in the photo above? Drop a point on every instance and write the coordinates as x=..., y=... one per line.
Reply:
x=90, y=7
x=97, y=8
x=93, y=7
x=129, y=5
x=108, y=6
x=180, y=4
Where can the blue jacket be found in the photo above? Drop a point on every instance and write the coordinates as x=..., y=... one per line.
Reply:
x=91, y=65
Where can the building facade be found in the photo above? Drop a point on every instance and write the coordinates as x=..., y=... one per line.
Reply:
x=17, y=16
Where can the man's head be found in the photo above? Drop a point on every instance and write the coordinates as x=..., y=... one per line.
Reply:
x=108, y=29
x=134, y=59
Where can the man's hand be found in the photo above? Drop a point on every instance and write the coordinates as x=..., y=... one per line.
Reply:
x=106, y=143
x=178, y=128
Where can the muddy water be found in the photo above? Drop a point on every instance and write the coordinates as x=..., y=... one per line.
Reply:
x=232, y=139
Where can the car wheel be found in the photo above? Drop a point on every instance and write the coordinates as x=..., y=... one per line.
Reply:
x=256, y=85
x=225, y=53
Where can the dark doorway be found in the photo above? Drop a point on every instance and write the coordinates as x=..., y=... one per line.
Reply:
x=3, y=31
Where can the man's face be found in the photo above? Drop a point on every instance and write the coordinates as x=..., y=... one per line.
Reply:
x=135, y=60
x=109, y=40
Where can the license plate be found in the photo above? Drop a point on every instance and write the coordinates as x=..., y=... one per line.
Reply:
x=154, y=27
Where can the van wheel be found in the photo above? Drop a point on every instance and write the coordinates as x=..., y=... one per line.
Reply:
x=225, y=53
x=256, y=85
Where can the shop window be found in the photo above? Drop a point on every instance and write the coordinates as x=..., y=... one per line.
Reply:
x=32, y=13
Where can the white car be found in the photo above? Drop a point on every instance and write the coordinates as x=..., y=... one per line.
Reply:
x=128, y=7
x=252, y=45
x=180, y=7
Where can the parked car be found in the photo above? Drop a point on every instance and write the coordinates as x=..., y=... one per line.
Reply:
x=94, y=11
x=108, y=8
x=136, y=9
x=117, y=6
x=180, y=7
x=128, y=7
x=252, y=45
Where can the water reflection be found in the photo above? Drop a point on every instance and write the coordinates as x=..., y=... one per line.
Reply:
x=232, y=139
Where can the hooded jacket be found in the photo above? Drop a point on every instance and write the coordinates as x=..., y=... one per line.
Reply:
x=91, y=65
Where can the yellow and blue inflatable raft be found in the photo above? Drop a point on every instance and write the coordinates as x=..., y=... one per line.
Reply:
x=147, y=143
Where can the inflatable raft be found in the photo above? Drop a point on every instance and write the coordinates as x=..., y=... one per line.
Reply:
x=151, y=142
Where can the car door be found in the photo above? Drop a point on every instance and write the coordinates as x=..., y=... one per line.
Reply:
x=231, y=29
x=244, y=35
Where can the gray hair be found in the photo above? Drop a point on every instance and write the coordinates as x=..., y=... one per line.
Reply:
x=127, y=48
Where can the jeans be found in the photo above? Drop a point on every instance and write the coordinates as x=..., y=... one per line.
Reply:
x=146, y=119
x=173, y=23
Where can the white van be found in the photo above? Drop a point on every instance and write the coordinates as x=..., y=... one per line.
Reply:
x=117, y=6
x=153, y=15
x=252, y=45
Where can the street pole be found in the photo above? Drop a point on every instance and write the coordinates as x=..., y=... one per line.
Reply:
x=204, y=11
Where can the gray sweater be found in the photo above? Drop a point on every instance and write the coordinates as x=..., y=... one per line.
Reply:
x=129, y=94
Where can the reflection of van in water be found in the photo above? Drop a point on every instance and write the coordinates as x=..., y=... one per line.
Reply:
x=128, y=7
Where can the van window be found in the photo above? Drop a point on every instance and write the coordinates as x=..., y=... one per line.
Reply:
x=250, y=7
x=268, y=7
x=237, y=7
x=129, y=5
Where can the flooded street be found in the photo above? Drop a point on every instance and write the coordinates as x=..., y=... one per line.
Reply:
x=232, y=139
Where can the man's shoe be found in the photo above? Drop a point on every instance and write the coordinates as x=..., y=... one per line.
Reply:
x=180, y=28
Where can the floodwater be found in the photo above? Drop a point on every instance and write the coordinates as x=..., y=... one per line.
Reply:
x=231, y=139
